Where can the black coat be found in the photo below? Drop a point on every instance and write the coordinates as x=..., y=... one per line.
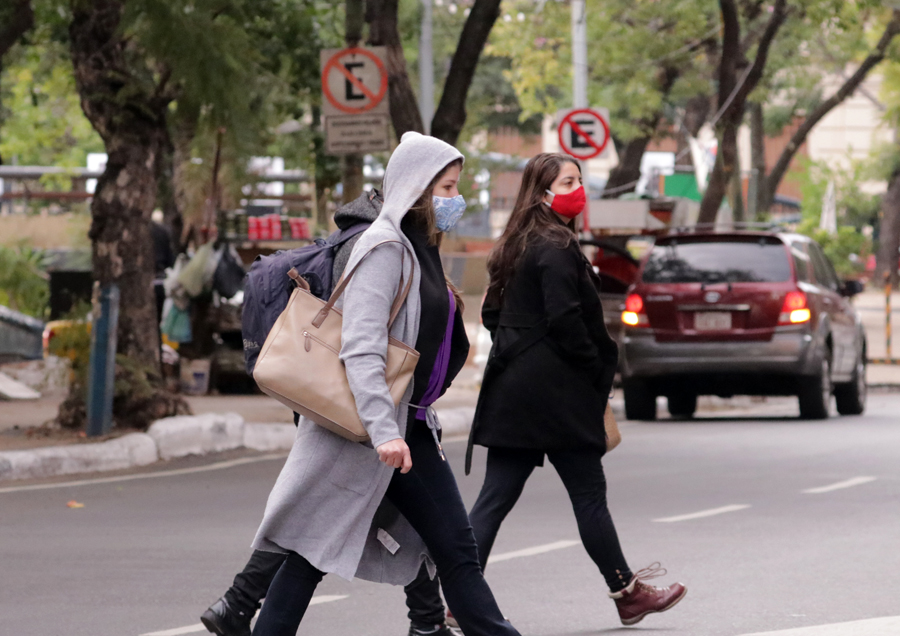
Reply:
x=554, y=394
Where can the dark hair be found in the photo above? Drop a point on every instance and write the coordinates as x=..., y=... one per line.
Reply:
x=422, y=211
x=529, y=219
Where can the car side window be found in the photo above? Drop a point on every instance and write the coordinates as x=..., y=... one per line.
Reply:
x=801, y=261
x=825, y=275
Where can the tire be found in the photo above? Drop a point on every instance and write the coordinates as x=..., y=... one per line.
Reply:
x=682, y=405
x=815, y=393
x=640, y=401
x=851, y=397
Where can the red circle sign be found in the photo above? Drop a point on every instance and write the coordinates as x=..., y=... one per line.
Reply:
x=591, y=147
x=335, y=64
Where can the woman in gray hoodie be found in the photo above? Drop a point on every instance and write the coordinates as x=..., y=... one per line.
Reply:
x=371, y=511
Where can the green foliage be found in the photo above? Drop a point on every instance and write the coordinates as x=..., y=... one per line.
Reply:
x=42, y=121
x=23, y=282
x=856, y=209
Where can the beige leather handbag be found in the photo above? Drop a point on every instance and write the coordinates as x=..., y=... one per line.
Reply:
x=299, y=362
x=613, y=436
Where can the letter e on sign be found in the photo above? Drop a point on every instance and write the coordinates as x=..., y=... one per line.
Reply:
x=354, y=81
x=583, y=132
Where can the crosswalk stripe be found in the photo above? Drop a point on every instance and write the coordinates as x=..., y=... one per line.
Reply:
x=886, y=626
x=703, y=513
x=848, y=483
x=198, y=627
x=538, y=549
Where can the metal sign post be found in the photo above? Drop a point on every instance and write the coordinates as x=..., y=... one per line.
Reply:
x=102, y=370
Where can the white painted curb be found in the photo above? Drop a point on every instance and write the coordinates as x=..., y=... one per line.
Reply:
x=197, y=434
x=134, y=449
x=269, y=437
x=175, y=437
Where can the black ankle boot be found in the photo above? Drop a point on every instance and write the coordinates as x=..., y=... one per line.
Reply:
x=223, y=620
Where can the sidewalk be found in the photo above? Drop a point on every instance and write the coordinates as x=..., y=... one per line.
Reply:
x=870, y=305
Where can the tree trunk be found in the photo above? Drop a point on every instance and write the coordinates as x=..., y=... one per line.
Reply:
x=15, y=20
x=623, y=178
x=732, y=96
x=129, y=115
x=166, y=198
x=450, y=116
x=695, y=115
x=757, y=160
x=773, y=180
x=382, y=18
x=738, y=211
x=720, y=176
x=889, y=233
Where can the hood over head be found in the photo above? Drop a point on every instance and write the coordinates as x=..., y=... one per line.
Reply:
x=415, y=163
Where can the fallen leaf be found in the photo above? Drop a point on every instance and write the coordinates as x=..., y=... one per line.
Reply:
x=75, y=504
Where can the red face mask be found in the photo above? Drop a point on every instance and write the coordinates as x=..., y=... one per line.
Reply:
x=569, y=205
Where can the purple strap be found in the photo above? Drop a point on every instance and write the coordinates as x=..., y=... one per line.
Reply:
x=441, y=363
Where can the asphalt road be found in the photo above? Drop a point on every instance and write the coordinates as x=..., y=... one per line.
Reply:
x=149, y=554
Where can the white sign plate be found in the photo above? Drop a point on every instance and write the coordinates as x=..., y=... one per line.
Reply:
x=583, y=132
x=357, y=134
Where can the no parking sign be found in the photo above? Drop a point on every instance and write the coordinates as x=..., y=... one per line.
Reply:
x=355, y=104
x=583, y=132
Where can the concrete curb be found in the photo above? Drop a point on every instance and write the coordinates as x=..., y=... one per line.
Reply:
x=174, y=437
x=135, y=449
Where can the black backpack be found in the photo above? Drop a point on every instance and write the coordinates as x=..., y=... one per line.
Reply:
x=268, y=288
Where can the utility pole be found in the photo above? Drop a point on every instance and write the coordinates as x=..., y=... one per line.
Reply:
x=426, y=68
x=579, y=84
x=353, y=164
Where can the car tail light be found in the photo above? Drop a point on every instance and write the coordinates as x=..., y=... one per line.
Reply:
x=633, y=315
x=794, y=310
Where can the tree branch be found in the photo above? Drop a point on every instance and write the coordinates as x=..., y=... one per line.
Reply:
x=849, y=86
x=779, y=15
x=381, y=16
x=17, y=23
x=450, y=115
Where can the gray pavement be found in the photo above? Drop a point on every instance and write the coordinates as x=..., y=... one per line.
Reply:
x=151, y=549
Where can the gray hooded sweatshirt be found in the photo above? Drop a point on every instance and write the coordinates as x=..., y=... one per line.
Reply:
x=328, y=503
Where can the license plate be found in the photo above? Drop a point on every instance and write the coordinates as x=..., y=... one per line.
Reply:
x=712, y=320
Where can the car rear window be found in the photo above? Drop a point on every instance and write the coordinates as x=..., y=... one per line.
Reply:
x=727, y=261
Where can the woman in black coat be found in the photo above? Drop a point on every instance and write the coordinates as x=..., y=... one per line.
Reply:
x=548, y=380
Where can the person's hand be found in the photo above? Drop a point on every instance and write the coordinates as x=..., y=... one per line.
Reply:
x=395, y=454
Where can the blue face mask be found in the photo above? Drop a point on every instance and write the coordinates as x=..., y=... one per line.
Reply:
x=448, y=211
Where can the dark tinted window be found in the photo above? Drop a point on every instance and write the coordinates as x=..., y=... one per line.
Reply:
x=762, y=260
x=825, y=275
x=801, y=261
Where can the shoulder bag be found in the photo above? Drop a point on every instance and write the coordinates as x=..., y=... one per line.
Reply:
x=299, y=363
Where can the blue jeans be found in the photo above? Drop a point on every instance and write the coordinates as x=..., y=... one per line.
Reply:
x=429, y=499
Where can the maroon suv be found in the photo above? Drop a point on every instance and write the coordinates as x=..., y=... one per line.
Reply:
x=741, y=313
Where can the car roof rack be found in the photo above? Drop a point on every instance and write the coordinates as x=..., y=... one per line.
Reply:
x=727, y=226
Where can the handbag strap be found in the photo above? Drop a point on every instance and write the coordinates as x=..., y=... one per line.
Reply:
x=399, y=299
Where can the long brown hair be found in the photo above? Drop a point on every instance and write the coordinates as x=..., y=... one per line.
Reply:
x=422, y=215
x=530, y=219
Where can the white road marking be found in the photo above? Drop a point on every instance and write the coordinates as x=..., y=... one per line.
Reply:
x=887, y=626
x=198, y=627
x=849, y=483
x=703, y=513
x=163, y=473
x=190, y=629
x=538, y=549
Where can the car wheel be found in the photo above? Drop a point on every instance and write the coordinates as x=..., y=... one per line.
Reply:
x=815, y=393
x=682, y=405
x=640, y=402
x=851, y=397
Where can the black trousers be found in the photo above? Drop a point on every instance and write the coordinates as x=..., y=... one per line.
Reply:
x=423, y=596
x=429, y=499
x=582, y=475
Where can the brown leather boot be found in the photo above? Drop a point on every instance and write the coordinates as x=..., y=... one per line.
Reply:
x=639, y=599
